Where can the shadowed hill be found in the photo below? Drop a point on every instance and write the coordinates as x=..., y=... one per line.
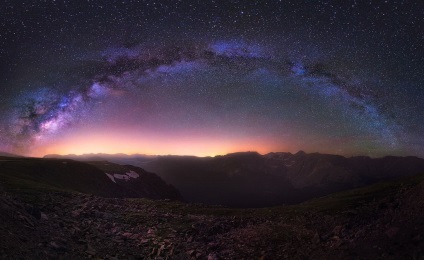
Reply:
x=32, y=174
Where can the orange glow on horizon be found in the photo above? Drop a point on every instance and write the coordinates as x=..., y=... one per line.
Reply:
x=111, y=143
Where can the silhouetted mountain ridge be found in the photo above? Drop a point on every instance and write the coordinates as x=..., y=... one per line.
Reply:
x=249, y=179
x=9, y=154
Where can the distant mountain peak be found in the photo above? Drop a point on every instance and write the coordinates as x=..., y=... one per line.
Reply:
x=300, y=153
x=242, y=153
x=5, y=154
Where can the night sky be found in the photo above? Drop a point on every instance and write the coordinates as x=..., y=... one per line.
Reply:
x=212, y=77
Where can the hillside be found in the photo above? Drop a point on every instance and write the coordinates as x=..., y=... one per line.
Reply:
x=100, y=178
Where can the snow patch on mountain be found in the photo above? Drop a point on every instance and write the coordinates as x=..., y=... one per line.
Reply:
x=127, y=176
x=110, y=177
x=133, y=174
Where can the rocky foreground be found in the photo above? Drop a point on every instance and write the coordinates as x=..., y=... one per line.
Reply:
x=382, y=221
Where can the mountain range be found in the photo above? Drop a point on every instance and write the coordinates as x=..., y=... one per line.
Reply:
x=249, y=179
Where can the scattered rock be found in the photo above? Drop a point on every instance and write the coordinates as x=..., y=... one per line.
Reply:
x=160, y=250
x=34, y=211
x=76, y=213
x=337, y=230
x=90, y=250
x=191, y=252
x=127, y=234
x=392, y=231
x=54, y=245
x=43, y=216
x=316, y=239
x=57, y=246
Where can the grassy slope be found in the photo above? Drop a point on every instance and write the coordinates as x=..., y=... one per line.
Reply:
x=355, y=198
x=337, y=203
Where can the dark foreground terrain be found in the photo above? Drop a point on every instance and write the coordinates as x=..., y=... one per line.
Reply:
x=382, y=221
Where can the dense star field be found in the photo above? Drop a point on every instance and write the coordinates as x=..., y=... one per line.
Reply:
x=212, y=77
